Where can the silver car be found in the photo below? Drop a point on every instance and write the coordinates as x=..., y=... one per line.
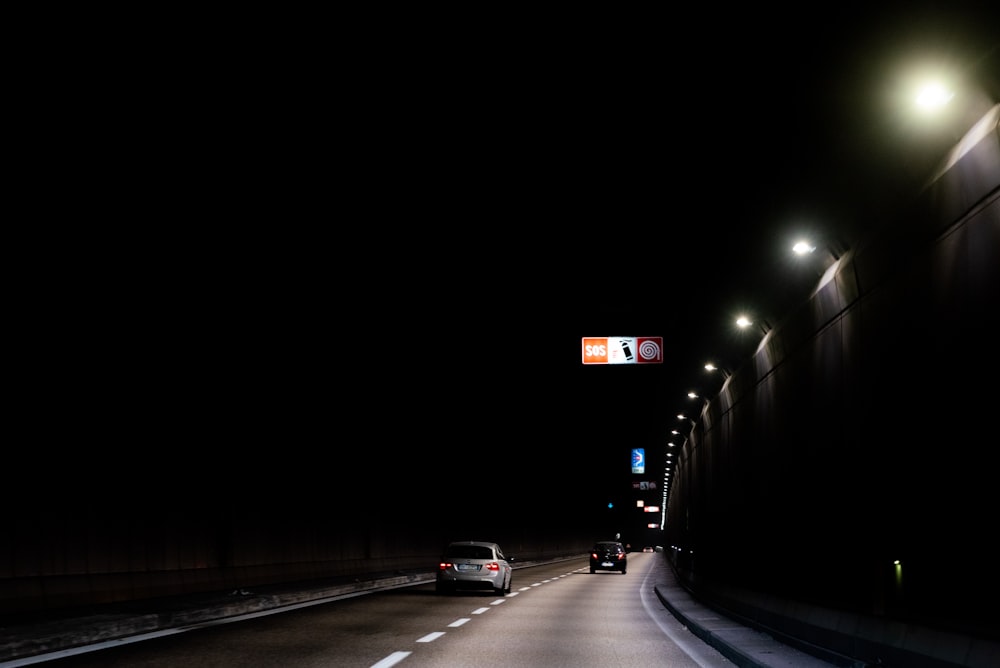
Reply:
x=473, y=564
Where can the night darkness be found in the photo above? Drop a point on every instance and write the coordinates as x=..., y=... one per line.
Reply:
x=372, y=264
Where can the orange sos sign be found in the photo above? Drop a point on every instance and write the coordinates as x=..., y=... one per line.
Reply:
x=623, y=350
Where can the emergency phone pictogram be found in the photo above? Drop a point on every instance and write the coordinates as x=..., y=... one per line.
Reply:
x=623, y=350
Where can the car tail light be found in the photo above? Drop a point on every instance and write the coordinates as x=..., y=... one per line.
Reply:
x=493, y=566
x=593, y=555
x=444, y=565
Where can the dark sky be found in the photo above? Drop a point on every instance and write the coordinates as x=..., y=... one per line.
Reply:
x=386, y=243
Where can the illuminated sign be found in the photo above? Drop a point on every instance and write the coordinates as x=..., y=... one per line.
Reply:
x=623, y=350
x=638, y=460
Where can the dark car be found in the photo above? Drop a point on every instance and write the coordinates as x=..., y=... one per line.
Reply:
x=471, y=564
x=608, y=555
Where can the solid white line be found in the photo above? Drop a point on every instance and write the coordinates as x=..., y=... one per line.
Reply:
x=391, y=660
x=689, y=643
x=431, y=637
x=104, y=644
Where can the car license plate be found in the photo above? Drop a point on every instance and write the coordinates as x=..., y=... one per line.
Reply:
x=468, y=567
x=607, y=564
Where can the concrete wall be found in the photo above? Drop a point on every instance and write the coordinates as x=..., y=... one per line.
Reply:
x=862, y=430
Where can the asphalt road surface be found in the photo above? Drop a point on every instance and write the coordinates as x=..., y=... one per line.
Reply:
x=556, y=615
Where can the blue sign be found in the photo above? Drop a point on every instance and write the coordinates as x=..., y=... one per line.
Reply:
x=638, y=460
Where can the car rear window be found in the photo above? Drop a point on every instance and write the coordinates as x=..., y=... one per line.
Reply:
x=469, y=552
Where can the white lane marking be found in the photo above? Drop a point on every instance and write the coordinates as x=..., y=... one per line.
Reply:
x=431, y=637
x=512, y=594
x=458, y=622
x=72, y=651
x=391, y=660
x=104, y=644
x=659, y=614
x=498, y=601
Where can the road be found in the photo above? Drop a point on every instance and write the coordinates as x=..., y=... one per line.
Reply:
x=556, y=615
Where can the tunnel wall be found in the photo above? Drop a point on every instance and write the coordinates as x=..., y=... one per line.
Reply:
x=860, y=432
x=76, y=555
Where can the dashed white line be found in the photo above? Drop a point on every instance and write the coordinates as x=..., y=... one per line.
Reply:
x=396, y=657
x=391, y=660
